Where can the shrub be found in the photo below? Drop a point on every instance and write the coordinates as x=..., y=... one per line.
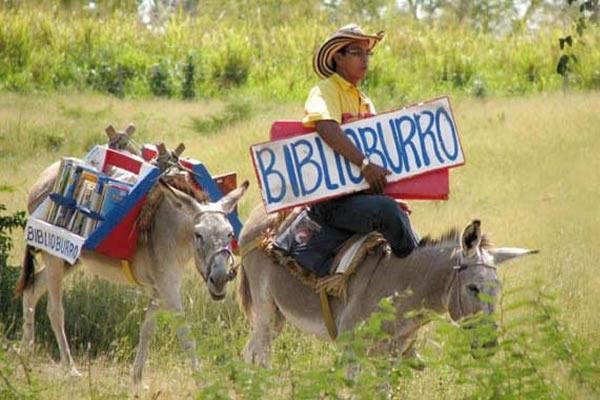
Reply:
x=10, y=310
x=160, y=80
x=188, y=90
x=231, y=68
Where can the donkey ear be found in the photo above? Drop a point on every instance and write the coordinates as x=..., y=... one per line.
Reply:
x=130, y=129
x=502, y=254
x=177, y=198
x=471, y=238
x=229, y=201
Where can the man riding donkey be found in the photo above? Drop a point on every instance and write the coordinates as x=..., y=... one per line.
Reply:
x=350, y=277
x=342, y=61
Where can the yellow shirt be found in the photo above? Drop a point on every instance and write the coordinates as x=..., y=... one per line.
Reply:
x=336, y=99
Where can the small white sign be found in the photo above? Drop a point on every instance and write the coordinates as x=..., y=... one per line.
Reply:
x=408, y=142
x=53, y=239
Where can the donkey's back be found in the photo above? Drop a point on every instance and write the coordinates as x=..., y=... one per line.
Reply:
x=42, y=187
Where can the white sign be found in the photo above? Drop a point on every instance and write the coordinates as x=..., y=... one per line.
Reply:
x=53, y=239
x=408, y=142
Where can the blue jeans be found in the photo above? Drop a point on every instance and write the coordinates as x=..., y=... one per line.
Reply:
x=364, y=213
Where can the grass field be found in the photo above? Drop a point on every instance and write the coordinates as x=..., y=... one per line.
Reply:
x=532, y=176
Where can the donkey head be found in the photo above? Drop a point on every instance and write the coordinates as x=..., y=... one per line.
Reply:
x=475, y=285
x=212, y=235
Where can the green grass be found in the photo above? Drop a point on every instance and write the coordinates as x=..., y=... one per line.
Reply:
x=531, y=177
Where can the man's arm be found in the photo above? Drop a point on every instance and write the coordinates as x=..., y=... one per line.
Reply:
x=331, y=132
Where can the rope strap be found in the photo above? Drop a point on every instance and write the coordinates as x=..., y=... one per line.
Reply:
x=128, y=272
x=327, y=315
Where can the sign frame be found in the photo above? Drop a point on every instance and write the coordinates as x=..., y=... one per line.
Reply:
x=326, y=153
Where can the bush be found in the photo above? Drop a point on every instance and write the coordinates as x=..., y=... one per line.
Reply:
x=188, y=89
x=160, y=80
x=232, y=67
x=10, y=310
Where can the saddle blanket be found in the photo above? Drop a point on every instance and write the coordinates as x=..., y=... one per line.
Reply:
x=319, y=248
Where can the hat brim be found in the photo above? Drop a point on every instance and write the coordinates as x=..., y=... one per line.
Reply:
x=323, y=64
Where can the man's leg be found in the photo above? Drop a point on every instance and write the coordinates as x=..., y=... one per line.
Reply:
x=364, y=213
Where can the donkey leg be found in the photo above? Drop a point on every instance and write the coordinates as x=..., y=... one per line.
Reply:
x=146, y=333
x=266, y=325
x=172, y=299
x=55, y=270
x=31, y=296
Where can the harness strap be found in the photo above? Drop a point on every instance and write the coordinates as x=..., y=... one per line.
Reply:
x=126, y=267
x=327, y=315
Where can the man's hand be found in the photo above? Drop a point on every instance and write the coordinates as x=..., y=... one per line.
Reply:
x=332, y=134
x=375, y=177
x=403, y=206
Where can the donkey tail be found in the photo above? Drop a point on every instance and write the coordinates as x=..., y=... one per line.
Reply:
x=244, y=293
x=27, y=273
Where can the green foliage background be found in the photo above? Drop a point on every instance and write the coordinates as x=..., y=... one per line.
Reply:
x=266, y=49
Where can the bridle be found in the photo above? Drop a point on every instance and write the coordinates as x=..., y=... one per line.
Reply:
x=232, y=273
x=460, y=266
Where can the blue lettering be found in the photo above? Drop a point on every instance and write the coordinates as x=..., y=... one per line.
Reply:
x=30, y=234
x=289, y=166
x=266, y=171
x=370, y=146
x=340, y=169
x=390, y=163
x=442, y=111
x=406, y=141
x=396, y=136
x=328, y=183
x=306, y=161
x=350, y=134
x=427, y=133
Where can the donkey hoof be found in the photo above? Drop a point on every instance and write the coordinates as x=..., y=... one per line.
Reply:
x=74, y=373
x=254, y=357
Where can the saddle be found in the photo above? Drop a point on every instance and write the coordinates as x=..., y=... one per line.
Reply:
x=326, y=262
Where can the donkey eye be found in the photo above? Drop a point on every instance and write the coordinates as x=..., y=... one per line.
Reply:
x=198, y=235
x=230, y=235
x=473, y=288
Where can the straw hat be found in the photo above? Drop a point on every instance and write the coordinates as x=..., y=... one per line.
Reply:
x=323, y=63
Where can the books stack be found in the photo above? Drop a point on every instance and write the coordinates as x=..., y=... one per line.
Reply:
x=82, y=197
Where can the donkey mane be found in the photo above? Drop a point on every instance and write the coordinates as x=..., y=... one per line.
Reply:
x=182, y=182
x=451, y=238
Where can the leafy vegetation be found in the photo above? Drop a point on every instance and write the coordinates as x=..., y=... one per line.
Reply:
x=9, y=386
x=267, y=50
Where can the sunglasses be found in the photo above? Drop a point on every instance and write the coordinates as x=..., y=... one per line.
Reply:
x=358, y=53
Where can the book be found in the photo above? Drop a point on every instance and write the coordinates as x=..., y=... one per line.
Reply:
x=62, y=178
x=83, y=202
x=95, y=204
x=114, y=193
x=66, y=200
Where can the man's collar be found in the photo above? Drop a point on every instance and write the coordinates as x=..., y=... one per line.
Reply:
x=342, y=82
